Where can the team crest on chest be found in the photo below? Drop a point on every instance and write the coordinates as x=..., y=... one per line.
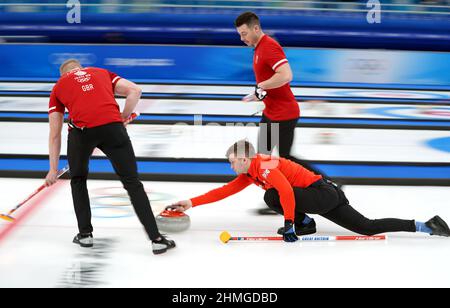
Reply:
x=82, y=76
x=266, y=173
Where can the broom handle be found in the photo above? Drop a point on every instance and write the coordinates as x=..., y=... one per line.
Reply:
x=42, y=187
x=312, y=238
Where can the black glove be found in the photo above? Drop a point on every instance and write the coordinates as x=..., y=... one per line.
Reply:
x=260, y=93
x=289, y=232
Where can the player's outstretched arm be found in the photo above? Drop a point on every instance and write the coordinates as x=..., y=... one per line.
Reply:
x=180, y=206
x=214, y=195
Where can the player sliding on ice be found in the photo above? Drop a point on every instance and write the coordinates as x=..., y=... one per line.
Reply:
x=293, y=191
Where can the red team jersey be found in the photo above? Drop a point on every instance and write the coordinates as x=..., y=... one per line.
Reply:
x=267, y=172
x=88, y=95
x=281, y=104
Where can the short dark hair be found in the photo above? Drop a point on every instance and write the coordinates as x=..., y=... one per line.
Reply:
x=247, y=18
x=242, y=149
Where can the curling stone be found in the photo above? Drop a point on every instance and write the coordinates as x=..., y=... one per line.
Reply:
x=173, y=221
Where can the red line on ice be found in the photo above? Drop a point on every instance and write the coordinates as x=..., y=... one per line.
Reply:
x=28, y=208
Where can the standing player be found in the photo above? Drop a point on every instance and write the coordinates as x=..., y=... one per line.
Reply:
x=95, y=121
x=273, y=75
x=292, y=190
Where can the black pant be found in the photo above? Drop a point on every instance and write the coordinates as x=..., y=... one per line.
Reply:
x=113, y=140
x=330, y=202
x=285, y=140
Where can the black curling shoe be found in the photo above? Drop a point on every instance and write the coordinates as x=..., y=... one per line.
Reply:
x=438, y=226
x=161, y=245
x=84, y=240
